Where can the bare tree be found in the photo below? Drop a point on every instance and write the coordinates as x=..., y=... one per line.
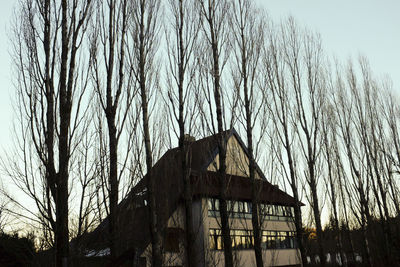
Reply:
x=214, y=23
x=330, y=149
x=358, y=187
x=181, y=44
x=113, y=85
x=247, y=29
x=284, y=121
x=144, y=32
x=83, y=215
x=392, y=149
x=50, y=90
x=373, y=142
x=303, y=55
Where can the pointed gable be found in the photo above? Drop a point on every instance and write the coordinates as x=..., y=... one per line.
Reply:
x=237, y=160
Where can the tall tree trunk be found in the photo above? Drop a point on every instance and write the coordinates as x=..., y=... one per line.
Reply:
x=112, y=135
x=113, y=181
x=111, y=95
x=211, y=11
x=248, y=33
x=62, y=233
x=154, y=208
x=282, y=120
x=48, y=42
x=330, y=145
x=181, y=45
x=255, y=216
x=222, y=143
x=184, y=145
x=317, y=214
x=297, y=208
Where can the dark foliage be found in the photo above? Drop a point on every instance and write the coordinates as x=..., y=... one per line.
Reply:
x=375, y=233
x=15, y=250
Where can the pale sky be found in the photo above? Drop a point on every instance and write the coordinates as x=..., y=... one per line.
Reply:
x=347, y=28
x=6, y=89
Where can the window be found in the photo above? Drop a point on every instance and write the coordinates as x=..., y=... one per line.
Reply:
x=213, y=207
x=235, y=207
x=243, y=209
x=247, y=207
x=278, y=240
x=215, y=239
x=243, y=239
x=172, y=239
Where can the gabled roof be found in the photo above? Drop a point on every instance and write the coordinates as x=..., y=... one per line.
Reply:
x=133, y=213
x=205, y=150
x=240, y=188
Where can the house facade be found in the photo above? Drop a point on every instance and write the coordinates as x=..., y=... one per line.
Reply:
x=278, y=231
x=277, y=216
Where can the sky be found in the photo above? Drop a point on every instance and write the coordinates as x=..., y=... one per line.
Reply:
x=6, y=86
x=348, y=28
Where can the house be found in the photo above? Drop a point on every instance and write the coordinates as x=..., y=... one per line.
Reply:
x=276, y=209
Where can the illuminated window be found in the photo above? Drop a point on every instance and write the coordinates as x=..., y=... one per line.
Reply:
x=215, y=239
x=243, y=209
x=243, y=239
x=278, y=240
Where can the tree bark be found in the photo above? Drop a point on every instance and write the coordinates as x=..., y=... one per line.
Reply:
x=154, y=207
x=209, y=11
x=184, y=145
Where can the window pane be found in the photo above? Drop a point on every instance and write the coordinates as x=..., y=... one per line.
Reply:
x=210, y=206
x=212, y=242
x=228, y=205
x=277, y=243
x=219, y=243
x=235, y=207
x=237, y=242
x=279, y=210
x=241, y=206
x=270, y=210
x=263, y=242
x=272, y=242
